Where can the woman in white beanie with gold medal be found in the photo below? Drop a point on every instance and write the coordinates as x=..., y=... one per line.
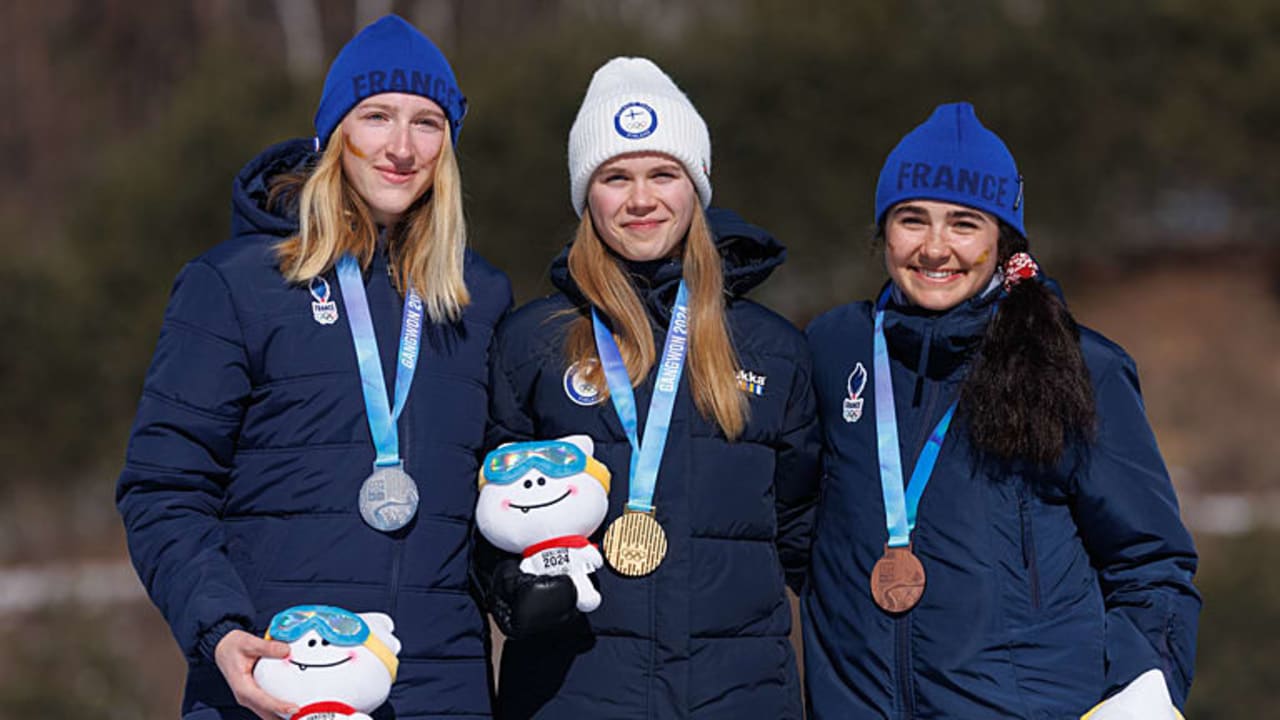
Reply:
x=698, y=399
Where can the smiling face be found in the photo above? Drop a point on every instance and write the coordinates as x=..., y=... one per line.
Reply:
x=641, y=205
x=536, y=507
x=316, y=670
x=314, y=652
x=390, y=145
x=940, y=254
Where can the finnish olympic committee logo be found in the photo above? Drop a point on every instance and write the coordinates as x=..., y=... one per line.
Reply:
x=635, y=120
x=576, y=386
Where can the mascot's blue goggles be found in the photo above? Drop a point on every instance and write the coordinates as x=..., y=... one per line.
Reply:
x=338, y=626
x=553, y=458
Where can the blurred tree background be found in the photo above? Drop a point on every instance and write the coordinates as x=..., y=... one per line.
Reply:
x=1146, y=130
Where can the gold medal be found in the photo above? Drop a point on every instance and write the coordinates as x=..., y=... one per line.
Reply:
x=897, y=580
x=635, y=544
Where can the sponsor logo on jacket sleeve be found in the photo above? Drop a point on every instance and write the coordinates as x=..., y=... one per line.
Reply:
x=750, y=382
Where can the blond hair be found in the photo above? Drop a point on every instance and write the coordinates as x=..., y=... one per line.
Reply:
x=427, y=246
x=712, y=361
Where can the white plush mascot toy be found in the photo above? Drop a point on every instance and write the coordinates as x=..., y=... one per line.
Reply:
x=340, y=664
x=542, y=499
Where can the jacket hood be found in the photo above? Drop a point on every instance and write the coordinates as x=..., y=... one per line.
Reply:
x=748, y=255
x=249, y=211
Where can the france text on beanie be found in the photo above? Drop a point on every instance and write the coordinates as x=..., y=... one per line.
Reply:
x=953, y=158
x=390, y=55
x=632, y=106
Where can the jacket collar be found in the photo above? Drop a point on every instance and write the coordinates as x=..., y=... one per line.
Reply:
x=938, y=345
x=935, y=344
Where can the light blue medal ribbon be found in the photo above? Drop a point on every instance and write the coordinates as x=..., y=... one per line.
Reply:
x=646, y=454
x=389, y=497
x=900, y=505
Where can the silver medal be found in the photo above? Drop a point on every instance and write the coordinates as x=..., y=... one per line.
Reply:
x=388, y=499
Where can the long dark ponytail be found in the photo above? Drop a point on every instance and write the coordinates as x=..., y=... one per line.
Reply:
x=1027, y=395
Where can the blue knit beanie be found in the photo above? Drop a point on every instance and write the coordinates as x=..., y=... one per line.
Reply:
x=951, y=157
x=388, y=56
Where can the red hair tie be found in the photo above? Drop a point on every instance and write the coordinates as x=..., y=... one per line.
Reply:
x=1019, y=267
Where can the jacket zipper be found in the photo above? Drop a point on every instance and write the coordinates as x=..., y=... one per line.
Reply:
x=930, y=401
x=393, y=587
x=902, y=626
x=1029, y=559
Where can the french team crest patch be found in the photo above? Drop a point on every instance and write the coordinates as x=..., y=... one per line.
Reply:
x=576, y=386
x=856, y=383
x=323, y=308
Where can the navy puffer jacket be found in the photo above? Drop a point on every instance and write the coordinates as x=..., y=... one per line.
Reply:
x=250, y=445
x=706, y=634
x=1045, y=590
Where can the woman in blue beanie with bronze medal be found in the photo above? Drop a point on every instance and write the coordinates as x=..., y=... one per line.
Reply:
x=998, y=536
x=700, y=404
x=310, y=427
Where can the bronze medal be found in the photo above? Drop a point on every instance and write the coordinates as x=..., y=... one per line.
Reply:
x=635, y=544
x=897, y=580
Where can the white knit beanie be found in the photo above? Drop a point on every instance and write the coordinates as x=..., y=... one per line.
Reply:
x=632, y=106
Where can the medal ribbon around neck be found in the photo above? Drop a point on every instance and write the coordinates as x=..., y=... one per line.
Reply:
x=899, y=506
x=646, y=454
x=382, y=417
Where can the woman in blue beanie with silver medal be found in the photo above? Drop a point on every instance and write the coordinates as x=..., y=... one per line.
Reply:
x=310, y=427
x=998, y=536
x=698, y=401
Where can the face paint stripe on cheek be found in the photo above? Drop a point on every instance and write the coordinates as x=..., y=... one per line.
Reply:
x=351, y=148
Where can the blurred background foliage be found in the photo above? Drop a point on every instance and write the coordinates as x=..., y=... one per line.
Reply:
x=1146, y=130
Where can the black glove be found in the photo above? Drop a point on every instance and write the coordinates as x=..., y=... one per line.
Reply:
x=522, y=604
x=525, y=605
